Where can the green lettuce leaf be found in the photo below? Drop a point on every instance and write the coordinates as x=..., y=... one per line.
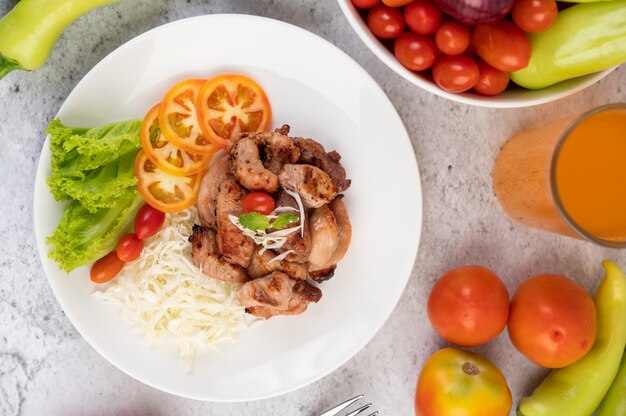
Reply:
x=83, y=237
x=93, y=166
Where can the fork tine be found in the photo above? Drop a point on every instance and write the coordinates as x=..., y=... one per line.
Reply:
x=359, y=410
x=374, y=414
x=340, y=407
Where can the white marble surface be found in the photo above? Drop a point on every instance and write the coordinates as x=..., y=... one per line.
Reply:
x=47, y=368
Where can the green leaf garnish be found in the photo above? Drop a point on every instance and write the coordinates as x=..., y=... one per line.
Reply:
x=282, y=220
x=254, y=221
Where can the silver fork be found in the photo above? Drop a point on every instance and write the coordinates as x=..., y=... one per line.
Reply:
x=337, y=409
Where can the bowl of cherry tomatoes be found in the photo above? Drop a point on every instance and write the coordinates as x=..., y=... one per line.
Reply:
x=461, y=52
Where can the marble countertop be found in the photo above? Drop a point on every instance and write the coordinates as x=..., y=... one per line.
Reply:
x=47, y=368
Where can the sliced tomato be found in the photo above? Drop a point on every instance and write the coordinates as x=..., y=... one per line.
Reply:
x=165, y=192
x=164, y=154
x=231, y=104
x=179, y=121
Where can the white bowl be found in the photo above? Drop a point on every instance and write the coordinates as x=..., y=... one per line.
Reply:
x=511, y=98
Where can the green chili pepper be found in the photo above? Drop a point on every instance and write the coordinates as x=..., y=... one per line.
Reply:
x=29, y=31
x=577, y=390
x=585, y=38
x=614, y=403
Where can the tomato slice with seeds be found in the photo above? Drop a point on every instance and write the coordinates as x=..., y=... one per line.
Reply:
x=164, y=154
x=231, y=104
x=178, y=118
x=165, y=192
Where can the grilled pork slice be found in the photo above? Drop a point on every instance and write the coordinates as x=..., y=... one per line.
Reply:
x=233, y=244
x=277, y=294
x=313, y=153
x=313, y=185
x=205, y=255
x=278, y=148
x=215, y=175
x=324, y=237
x=249, y=169
x=318, y=272
x=262, y=265
x=297, y=243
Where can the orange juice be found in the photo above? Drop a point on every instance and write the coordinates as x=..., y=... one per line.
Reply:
x=591, y=175
x=569, y=176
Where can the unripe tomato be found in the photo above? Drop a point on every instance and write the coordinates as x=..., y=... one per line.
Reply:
x=457, y=382
x=552, y=321
x=468, y=306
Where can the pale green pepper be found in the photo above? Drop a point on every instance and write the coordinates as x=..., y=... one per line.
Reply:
x=578, y=389
x=614, y=403
x=29, y=31
x=585, y=38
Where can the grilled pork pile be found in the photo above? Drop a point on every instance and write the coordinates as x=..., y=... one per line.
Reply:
x=303, y=179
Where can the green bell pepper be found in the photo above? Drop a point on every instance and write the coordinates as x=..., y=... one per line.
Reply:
x=585, y=38
x=578, y=389
x=614, y=403
x=29, y=31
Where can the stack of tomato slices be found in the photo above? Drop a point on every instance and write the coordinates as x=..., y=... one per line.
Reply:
x=180, y=135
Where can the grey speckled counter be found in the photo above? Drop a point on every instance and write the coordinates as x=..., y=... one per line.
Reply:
x=47, y=368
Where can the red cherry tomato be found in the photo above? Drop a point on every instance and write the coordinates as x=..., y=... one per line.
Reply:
x=129, y=247
x=455, y=73
x=258, y=202
x=106, y=268
x=534, y=16
x=385, y=22
x=422, y=16
x=452, y=38
x=365, y=4
x=502, y=45
x=490, y=80
x=468, y=306
x=416, y=52
x=148, y=221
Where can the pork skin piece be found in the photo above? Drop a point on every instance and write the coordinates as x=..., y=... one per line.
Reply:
x=313, y=153
x=313, y=185
x=233, y=244
x=262, y=265
x=218, y=171
x=205, y=255
x=276, y=294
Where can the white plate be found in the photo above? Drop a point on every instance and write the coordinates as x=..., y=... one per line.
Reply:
x=322, y=93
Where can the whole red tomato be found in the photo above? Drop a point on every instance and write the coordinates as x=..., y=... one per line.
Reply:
x=502, y=45
x=455, y=73
x=457, y=382
x=491, y=81
x=385, y=22
x=468, y=306
x=416, y=52
x=552, y=321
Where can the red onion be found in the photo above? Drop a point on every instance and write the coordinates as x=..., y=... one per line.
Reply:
x=476, y=12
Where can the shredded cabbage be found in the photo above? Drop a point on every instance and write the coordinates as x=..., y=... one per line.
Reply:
x=170, y=300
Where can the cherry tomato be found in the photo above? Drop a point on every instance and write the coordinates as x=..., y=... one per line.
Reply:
x=396, y=3
x=457, y=382
x=416, y=52
x=164, y=154
x=534, y=16
x=129, y=247
x=148, y=221
x=552, y=321
x=468, y=306
x=452, y=38
x=502, y=45
x=178, y=118
x=490, y=80
x=385, y=22
x=106, y=268
x=165, y=192
x=230, y=104
x=422, y=16
x=455, y=73
x=258, y=202
x=365, y=4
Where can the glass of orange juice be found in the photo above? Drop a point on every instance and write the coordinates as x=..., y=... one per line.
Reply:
x=569, y=176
